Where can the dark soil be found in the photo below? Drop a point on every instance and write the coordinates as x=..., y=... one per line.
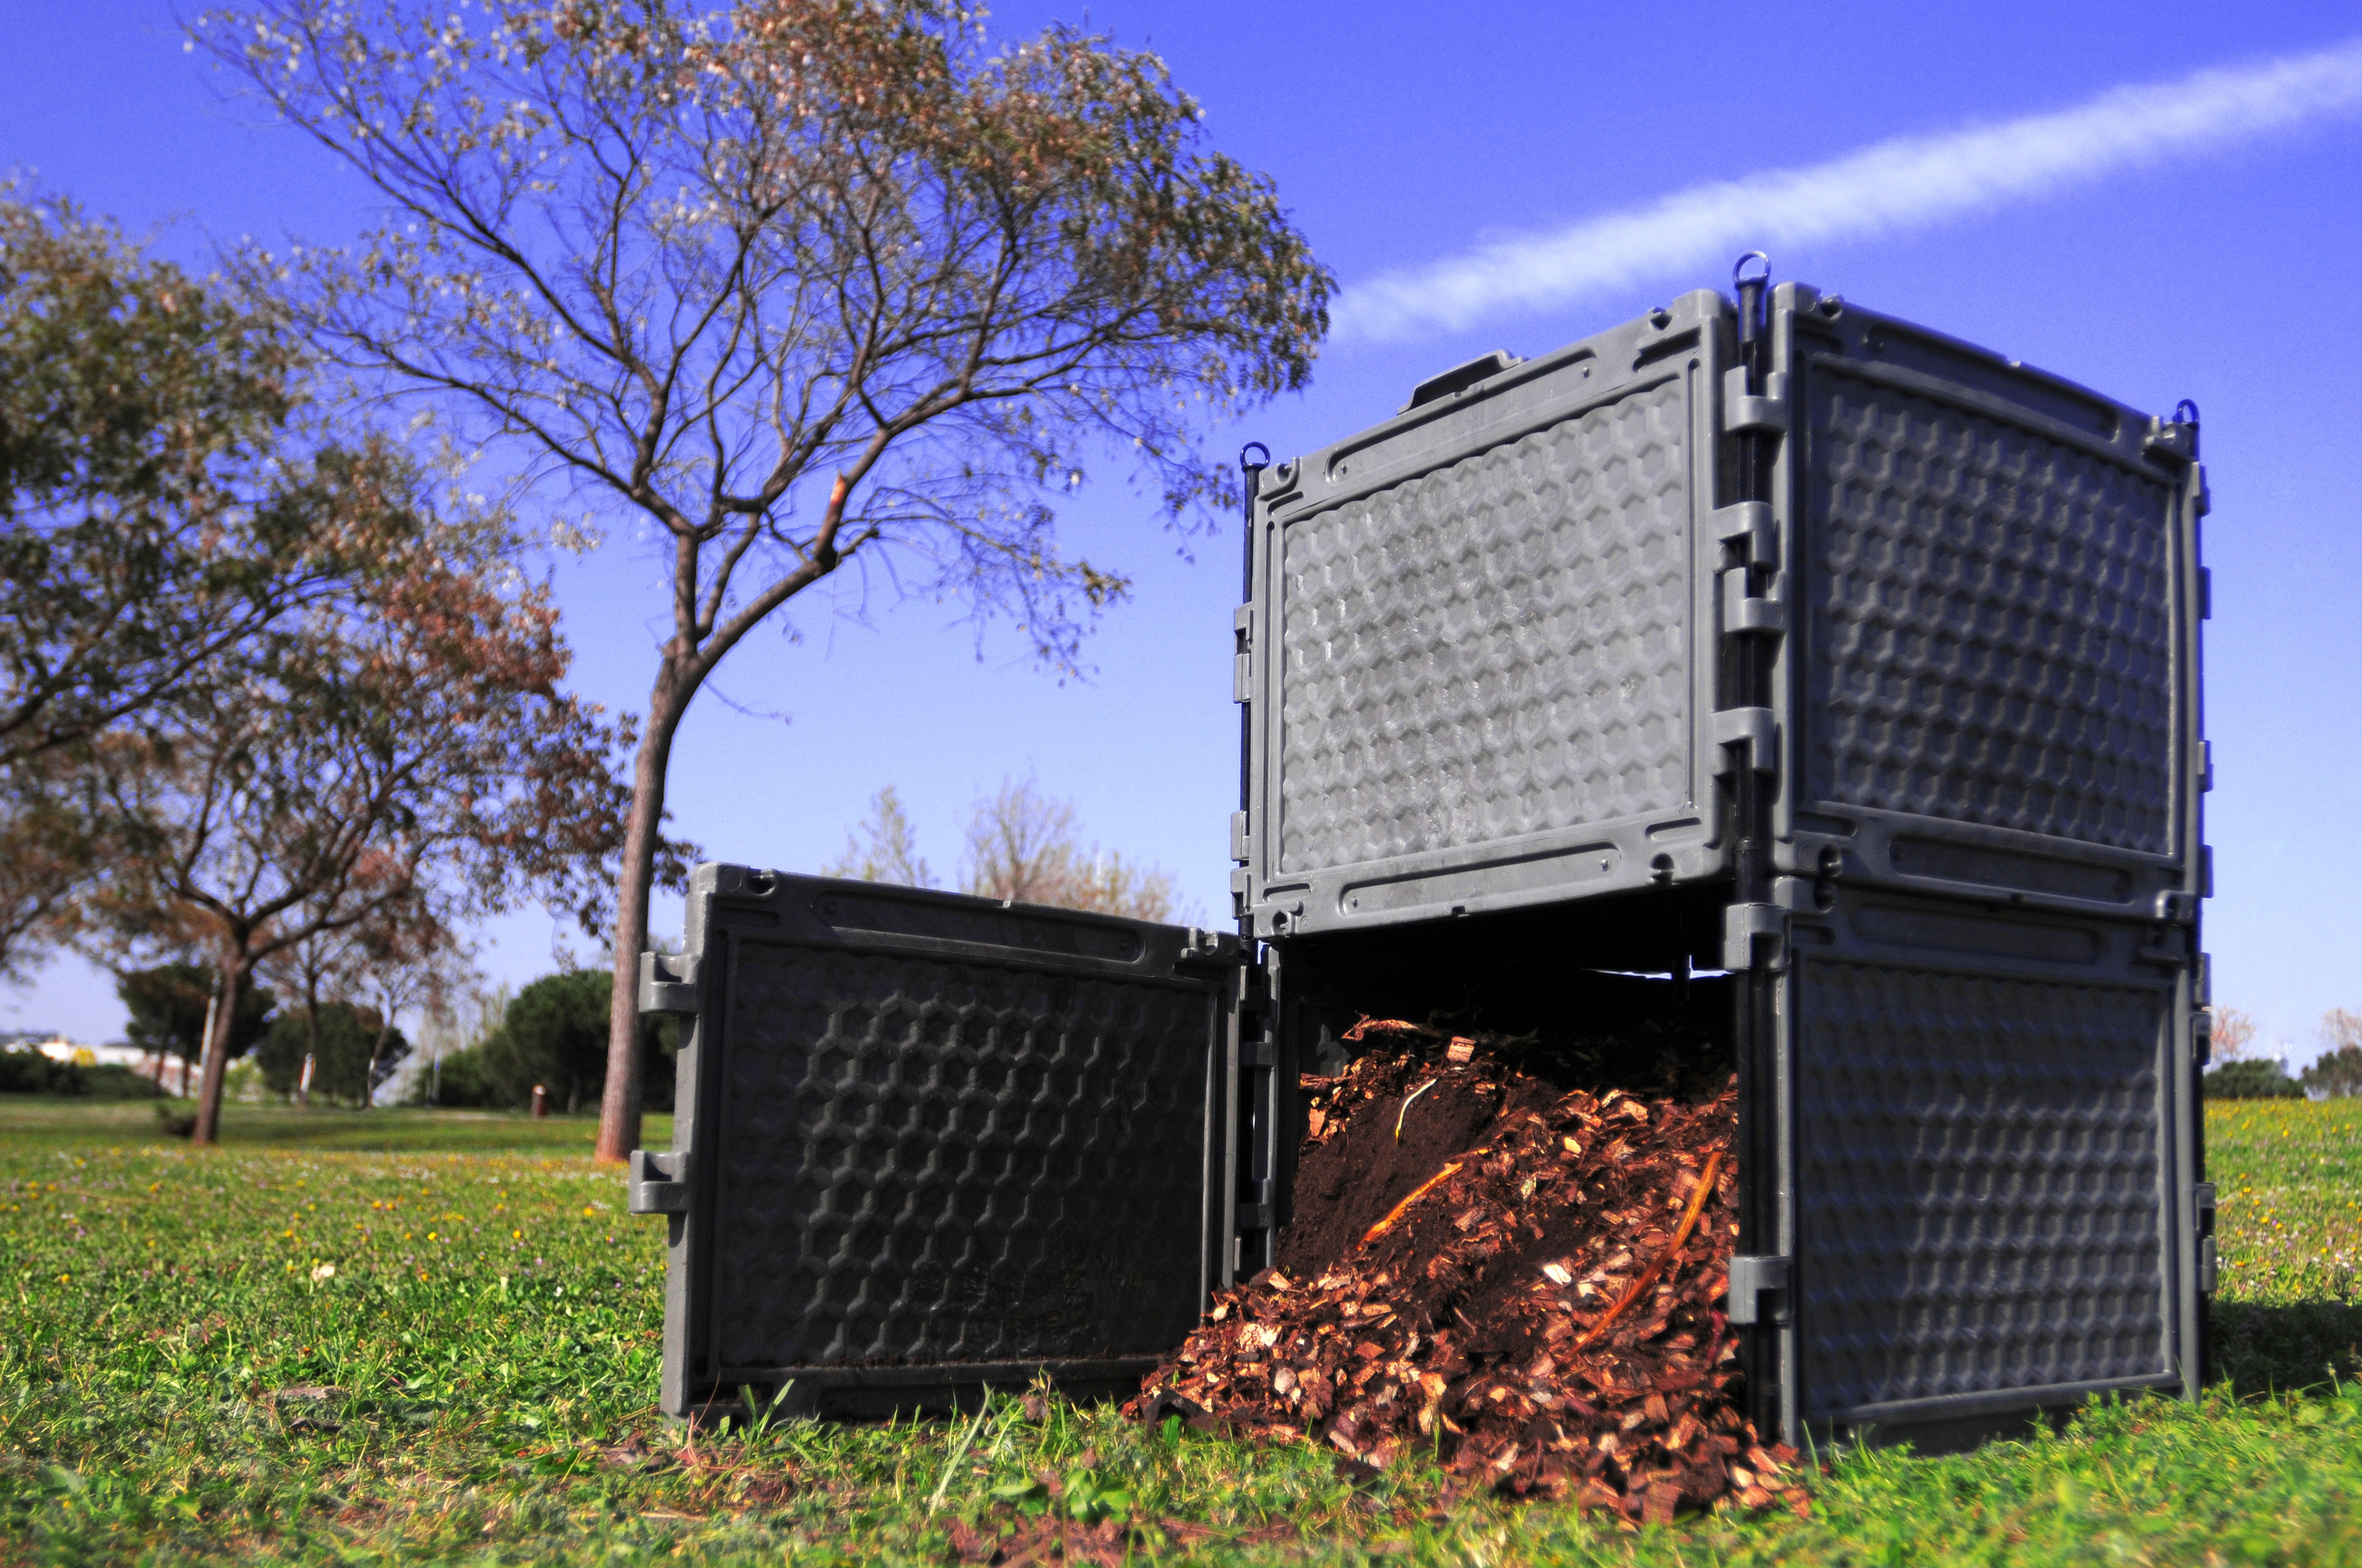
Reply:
x=1545, y=1308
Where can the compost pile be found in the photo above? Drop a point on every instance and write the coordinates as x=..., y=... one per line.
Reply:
x=1525, y=1277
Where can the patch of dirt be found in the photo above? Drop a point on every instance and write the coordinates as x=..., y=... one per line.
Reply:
x=1529, y=1277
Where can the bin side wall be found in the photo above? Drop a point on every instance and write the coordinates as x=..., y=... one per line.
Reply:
x=1494, y=649
x=1985, y=1160
x=1992, y=623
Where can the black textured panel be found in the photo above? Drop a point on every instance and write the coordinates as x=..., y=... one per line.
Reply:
x=1495, y=648
x=929, y=1161
x=1977, y=1169
x=1992, y=619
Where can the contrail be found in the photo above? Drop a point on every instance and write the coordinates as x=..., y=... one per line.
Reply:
x=1907, y=183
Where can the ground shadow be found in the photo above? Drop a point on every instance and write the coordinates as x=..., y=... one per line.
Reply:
x=2260, y=1349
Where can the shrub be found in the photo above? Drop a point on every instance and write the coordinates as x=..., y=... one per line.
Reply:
x=2252, y=1080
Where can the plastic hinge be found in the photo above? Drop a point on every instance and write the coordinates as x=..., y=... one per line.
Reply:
x=1750, y=928
x=2175, y=908
x=1255, y=1216
x=2202, y=985
x=1750, y=520
x=658, y=1182
x=2202, y=1036
x=1211, y=947
x=2206, y=593
x=1752, y=725
x=667, y=983
x=1743, y=611
x=2202, y=500
x=1238, y=835
x=1749, y=1278
x=2205, y=871
x=1743, y=411
x=2166, y=435
x=1242, y=677
x=2206, y=765
x=1257, y=1053
x=2209, y=1267
x=1797, y=895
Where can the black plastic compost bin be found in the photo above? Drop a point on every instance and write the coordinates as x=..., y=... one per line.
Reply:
x=1839, y=674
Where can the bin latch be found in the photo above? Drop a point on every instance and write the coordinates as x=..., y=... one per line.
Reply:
x=659, y=1182
x=2202, y=1214
x=667, y=983
x=1751, y=928
x=1749, y=1278
x=1220, y=947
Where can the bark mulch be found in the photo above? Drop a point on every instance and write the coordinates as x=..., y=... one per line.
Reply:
x=1528, y=1278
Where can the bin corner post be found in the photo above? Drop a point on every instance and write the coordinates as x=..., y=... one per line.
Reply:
x=1752, y=935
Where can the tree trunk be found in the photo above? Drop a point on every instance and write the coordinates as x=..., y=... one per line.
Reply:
x=311, y=1033
x=234, y=966
x=377, y=1049
x=619, y=1101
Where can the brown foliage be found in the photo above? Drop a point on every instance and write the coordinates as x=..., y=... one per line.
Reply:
x=396, y=757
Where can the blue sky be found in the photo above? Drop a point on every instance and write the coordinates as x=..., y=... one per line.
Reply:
x=2219, y=262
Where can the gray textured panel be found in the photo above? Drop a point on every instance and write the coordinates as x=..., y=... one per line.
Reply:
x=929, y=1161
x=1992, y=623
x=1496, y=647
x=1977, y=1179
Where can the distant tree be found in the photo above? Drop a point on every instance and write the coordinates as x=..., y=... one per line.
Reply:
x=2336, y=1073
x=1025, y=846
x=168, y=1006
x=352, y=1049
x=2256, y=1078
x=555, y=1035
x=2234, y=1031
x=412, y=742
x=800, y=284
x=883, y=849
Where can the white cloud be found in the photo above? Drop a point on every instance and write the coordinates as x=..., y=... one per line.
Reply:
x=1907, y=183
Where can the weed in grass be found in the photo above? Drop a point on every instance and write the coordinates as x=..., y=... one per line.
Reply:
x=288, y=1352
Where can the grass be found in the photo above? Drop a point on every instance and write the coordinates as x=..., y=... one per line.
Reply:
x=421, y=1335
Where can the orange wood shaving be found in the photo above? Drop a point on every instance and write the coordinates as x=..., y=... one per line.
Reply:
x=1421, y=1190
x=1649, y=1276
x=1389, y=1026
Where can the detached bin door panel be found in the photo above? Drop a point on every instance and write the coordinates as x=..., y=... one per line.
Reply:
x=935, y=1141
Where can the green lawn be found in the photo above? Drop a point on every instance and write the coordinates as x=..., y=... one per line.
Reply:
x=182, y=1376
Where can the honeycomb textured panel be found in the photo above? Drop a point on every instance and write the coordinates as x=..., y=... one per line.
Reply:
x=1978, y=1196
x=931, y=1162
x=1495, y=648
x=1992, y=624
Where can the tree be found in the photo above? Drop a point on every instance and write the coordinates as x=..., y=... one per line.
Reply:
x=2337, y=1071
x=405, y=955
x=143, y=425
x=2257, y=1078
x=408, y=742
x=352, y=1050
x=2234, y=1031
x=883, y=849
x=1025, y=846
x=557, y=1036
x=797, y=286
x=170, y=1003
